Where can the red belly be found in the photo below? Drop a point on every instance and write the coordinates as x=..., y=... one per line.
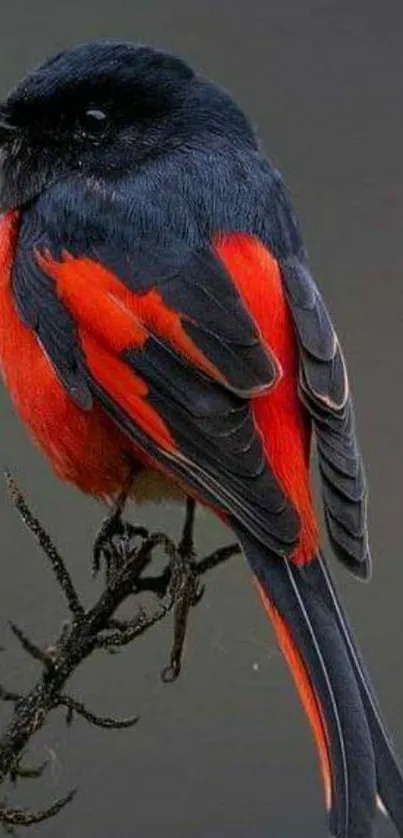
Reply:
x=85, y=447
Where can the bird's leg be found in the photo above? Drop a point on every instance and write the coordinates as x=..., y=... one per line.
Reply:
x=114, y=542
x=185, y=590
x=186, y=545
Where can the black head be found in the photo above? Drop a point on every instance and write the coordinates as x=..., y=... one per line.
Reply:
x=102, y=109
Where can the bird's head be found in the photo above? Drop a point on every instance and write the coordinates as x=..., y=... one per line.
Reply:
x=105, y=108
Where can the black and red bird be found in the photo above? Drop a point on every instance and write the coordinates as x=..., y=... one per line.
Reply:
x=158, y=319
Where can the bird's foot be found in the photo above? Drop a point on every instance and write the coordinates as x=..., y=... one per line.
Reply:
x=116, y=540
x=185, y=591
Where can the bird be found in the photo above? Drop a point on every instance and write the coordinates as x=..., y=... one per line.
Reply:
x=160, y=324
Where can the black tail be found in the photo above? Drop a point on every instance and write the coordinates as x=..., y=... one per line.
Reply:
x=357, y=758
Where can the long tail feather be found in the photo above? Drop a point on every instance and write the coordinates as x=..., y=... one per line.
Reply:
x=389, y=773
x=356, y=754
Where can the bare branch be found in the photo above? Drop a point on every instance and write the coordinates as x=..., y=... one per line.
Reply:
x=48, y=548
x=126, y=552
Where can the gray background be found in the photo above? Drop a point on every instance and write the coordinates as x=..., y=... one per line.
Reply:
x=226, y=752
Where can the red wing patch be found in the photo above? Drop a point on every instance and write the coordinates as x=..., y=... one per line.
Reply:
x=119, y=318
x=127, y=389
x=279, y=413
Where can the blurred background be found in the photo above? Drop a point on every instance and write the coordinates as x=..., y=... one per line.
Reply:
x=226, y=752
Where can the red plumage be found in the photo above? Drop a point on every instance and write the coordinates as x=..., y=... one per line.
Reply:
x=85, y=448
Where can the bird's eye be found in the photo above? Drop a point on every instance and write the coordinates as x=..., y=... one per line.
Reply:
x=94, y=122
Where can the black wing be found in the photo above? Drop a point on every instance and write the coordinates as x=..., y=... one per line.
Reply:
x=324, y=390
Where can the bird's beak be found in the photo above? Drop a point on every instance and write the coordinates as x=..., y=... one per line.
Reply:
x=7, y=129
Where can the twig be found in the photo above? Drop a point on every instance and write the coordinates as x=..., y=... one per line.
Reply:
x=30, y=647
x=6, y=695
x=127, y=552
x=74, y=706
x=48, y=548
x=11, y=818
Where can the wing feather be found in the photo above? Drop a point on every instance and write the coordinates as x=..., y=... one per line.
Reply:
x=325, y=392
x=175, y=364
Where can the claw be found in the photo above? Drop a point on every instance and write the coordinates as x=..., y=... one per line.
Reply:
x=103, y=544
x=171, y=672
x=114, y=542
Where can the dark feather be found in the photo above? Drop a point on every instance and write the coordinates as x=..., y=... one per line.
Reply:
x=325, y=392
x=314, y=627
x=41, y=309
